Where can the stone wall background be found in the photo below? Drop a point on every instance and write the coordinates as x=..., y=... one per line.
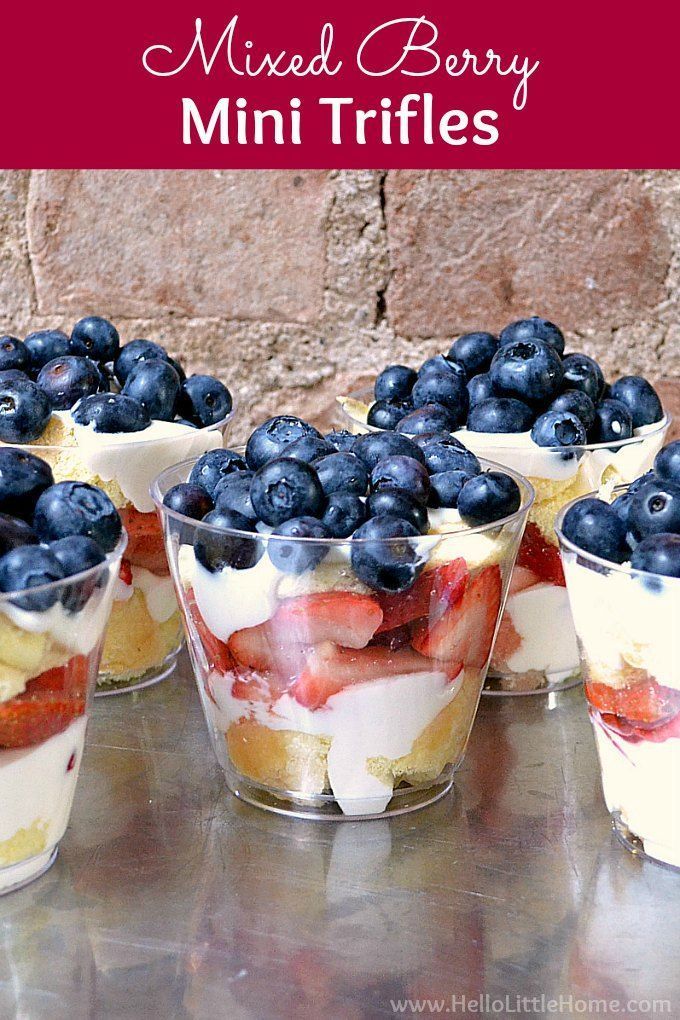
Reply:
x=295, y=286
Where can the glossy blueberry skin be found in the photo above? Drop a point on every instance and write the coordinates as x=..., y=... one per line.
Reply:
x=403, y=473
x=474, y=351
x=640, y=398
x=15, y=532
x=448, y=390
x=529, y=370
x=591, y=524
x=14, y=354
x=667, y=463
x=133, y=353
x=386, y=414
x=430, y=418
x=189, y=499
x=374, y=446
x=658, y=554
x=340, y=439
x=343, y=514
x=111, y=413
x=67, y=380
x=613, y=422
x=46, y=344
x=285, y=488
x=24, y=411
x=500, y=414
x=576, y=402
x=445, y=487
x=75, y=554
x=94, y=337
x=26, y=567
x=479, y=388
x=213, y=466
x=13, y=375
x=155, y=384
x=488, y=497
x=401, y=504
x=649, y=476
x=442, y=365
x=297, y=557
x=621, y=507
x=309, y=448
x=217, y=550
x=342, y=472
x=558, y=428
x=23, y=478
x=534, y=328
x=384, y=565
x=76, y=508
x=445, y=453
x=394, y=383
x=583, y=373
x=233, y=493
x=204, y=400
x=655, y=508
x=270, y=439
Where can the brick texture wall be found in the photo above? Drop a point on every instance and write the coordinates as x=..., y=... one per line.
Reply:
x=294, y=286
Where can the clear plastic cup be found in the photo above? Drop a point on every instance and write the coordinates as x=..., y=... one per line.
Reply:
x=628, y=628
x=536, y=649
x=323, y=697
x=49, y=658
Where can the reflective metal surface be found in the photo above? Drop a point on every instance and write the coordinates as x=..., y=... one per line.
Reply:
x=172, y=899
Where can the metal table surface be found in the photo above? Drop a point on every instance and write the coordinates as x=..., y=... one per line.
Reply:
x=170, y=898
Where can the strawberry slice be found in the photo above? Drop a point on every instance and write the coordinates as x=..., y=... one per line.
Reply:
x=508, y=641
x=522, y=578
x=645, y=702
x=216, y=651
x=50, y=702
x=259, y=648
x=145, y=546
x=125, y=572
x=540, y=556
x=72, y=678
x=342, y=617
x=330, y=669
x=465, y=631
x=429, y=596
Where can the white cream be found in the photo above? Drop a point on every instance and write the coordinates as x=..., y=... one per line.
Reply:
x=158, y=592
x=230, y=600
x=518, y=451
x=542, y=619
x=78, y=632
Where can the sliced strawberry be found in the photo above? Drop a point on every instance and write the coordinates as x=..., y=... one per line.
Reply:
x=429, y=596
x=72, y=678
x=342, y=617
x=145, y=546
x=125, y=572
x=645, y=702
x=508, y=641
x=330, y=669
x=465, y=632
x=216, y=651
x=540, y=556
x=522, y=578
x=50, y=702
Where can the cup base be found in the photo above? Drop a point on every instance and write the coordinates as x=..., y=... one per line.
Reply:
x=639, y=848
x=108, y=685
x=533, y=682
x=16, y=876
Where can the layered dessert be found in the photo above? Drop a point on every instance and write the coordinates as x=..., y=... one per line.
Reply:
x=340, y=629
x=114, y=415
x=519, y=400
x=622, y=566
x=60, y=553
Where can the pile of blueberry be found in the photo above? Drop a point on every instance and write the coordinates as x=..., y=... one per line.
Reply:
x=112, y=387
x=516, y=382
x=303, y=485
x=50, y=532
x=641, y=526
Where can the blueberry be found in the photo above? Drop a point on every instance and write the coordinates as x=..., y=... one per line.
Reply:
x=441, y=365
x=655, y=508
x=479, y=388
x=233, y=493
x=15, y=532
x=576, y=402
x=384, y=555
x=621, y=507
x=14, y=354
x=474, y=351
x=181, y=373
x=649, y=476
x=667, y=463
x=394, y=383
x=500, y=414
x=640, y=398
x=75, y=554
x=658, y=554
x=445, y=453
x=401, y=504
x=24, y=411
x=135, y=352
x=558, y=428
x=77, y=508
x=204, y=400
x=297, y=557
x=613, y=421
x=12, y=375
x=374, y=446
x=185, y=421
x=213, y=466
x=534, y=328
x=488, y=497
x=342, y=472
x=445, y=487
x=189, y=499
x=529, y=370
x=386, y=414
x=309, y=448
x=94, y=337
x=23, y=478
x=155, y=384
x=341, y=439
x=67, y=380
x=448, y=390
x=429, y=418
x=30, y=566
x=285, y=488
x=270, y=439
x=111, y=413
x=594, y=526
x=343, y=514
x=583, y=373
x=46, y=344
x=216, y=550
x=427, y=438
x=403, y=473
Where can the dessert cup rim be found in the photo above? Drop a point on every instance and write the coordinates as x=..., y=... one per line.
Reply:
x=526, y=490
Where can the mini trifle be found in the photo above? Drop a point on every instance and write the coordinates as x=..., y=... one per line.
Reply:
x=60, y=552
x=114, y=415
x=622, y=565
x=339, y=629
x=518, y=400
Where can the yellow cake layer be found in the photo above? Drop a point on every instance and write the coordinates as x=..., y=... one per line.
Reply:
x=135, y=642
x=23, y=844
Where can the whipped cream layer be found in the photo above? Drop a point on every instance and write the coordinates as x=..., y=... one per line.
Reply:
x=159, y=593
x=76, y=632
x=551, y=649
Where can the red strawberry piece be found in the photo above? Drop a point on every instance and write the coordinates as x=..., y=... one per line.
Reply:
x=145, y=546
x=216, y=651
x=72, y=678
x=465, y=631
x=343, y=617
x=540, y=556
x=125, y=572
x=259, y=649
x=50, y=702
x=522, y=578
x=645, y=702
x=397, y=638
x=508, y=641
x=429, y=596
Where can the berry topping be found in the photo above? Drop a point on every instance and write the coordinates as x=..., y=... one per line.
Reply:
x=341, y=439
x=376, y=446
x=309, y=448
x=111, y=413
x=297, y=557
x=23, y=477
x=394, y=383
x=529, y=370
x=534, y=328
x=429, y=418
x=135, y=352
x=285, y=488
x=474, y=351
x=96, y=338
x=31, y=566
x=640, y=398
x=75, y=554
x=381, y=562
x=76, y=508
x=189, y=499
x=386, y=414
x=204, y=400
x=402, y=473
x=233, y=493
x=446, y=453
x=592, y=525
x=270, y=439
x=500, y=414
x=479, y=388
x=24, y=411
x=14, y=354
x=15, y=532
x=155, y=384
x=213, y=466
x=46, y=344
x=445, y=389
x=216, y=550
x=67, y=379
x=488, y=497
x=667, y=463
x=576, y=402
x=558, y=428
x=658, y=554
x=342, y=472
x=344, y=513
x=613, y=422
x=655, y=508
x=398, y=503
x=583, y=373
